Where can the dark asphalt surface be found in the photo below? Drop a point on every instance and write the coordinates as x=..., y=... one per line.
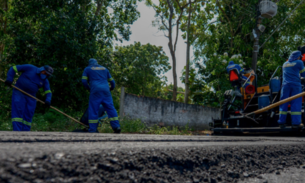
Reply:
x=82, y=157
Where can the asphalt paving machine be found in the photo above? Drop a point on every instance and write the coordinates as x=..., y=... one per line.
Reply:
x=238, y=114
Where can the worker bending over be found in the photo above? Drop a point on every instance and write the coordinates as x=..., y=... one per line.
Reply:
x=98, y=77
x=236, y=78
x=292, y=86
x=23, y=106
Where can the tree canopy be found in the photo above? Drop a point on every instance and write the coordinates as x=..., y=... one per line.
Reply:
x=227, y=35
x=139, y=68
x=65, y=35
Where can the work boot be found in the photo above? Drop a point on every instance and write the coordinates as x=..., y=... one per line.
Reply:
x=94, y=132
x=282, y=126
x=297, y=126
x=237, y=92
x=117, y=130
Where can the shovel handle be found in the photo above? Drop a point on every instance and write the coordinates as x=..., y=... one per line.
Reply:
x=277, y=104
x=75, y=120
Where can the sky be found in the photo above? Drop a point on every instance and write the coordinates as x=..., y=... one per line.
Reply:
x=144, y=32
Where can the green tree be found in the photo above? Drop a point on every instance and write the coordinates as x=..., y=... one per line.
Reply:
x=140, y=68
x=230, y=31
x=65, y=34
x=168, y=18
x=190, y=24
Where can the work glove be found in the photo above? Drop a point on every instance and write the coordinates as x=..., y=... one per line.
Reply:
x=47, y=104
x=8, y=83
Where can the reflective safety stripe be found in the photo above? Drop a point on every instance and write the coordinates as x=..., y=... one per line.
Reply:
x=15, y=68
x=85, y=77
x=295, y=113
x=20, y=120
x=110, y=79
x=114, y=118
x=93, y=121
x=48, y=91
x=283, y=112
x=17, y=119
x=27, y=123
x=303, y=70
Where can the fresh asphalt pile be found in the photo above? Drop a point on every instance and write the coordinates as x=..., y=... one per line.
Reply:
x=39, y=157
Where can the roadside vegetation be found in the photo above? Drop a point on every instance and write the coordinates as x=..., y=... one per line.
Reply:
x=137, y=126
x=54, y=122
x=50, y=121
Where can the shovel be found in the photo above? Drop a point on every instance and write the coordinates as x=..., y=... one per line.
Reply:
x=75, y=120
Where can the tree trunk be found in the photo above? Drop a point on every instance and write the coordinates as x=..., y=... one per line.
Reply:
x=174, y=71
x=256, y=46
x=172, y=50
x=187, y=56
x=99, y=7
x=254, y=54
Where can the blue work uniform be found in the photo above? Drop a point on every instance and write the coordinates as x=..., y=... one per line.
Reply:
x=232, y=66
x=98, y=78
x=292, y=86
x=101, y=115
x=23, y=106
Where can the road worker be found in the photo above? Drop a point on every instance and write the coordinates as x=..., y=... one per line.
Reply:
x=292, y=69
x=98, y=78
x=23, y=106
x=236, y=78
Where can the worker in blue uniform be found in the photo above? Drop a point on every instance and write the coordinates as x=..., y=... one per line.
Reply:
x=31, y=79
x=98, y=78
x=234, y=78
x=292, y=69
x=101, y=115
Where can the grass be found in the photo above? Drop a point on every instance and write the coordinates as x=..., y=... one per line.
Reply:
x=52, y=121
x=137, y=126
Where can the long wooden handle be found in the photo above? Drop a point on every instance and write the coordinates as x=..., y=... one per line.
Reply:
x=44, y=103
x=277, y=104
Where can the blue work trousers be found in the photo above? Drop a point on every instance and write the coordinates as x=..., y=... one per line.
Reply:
x=295, y=105
x=96, y=98
x=23, y=109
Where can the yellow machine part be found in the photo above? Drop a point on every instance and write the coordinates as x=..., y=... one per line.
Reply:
x=248, y=97
x=262, y=89
x=259, y=90
x=251, y=78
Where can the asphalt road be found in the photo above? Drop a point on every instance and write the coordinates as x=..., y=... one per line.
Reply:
x=83, y=157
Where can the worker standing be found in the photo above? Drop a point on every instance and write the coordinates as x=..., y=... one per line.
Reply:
x=292, y=86
x=234, y=77
x=23, y=106
x=98, y=77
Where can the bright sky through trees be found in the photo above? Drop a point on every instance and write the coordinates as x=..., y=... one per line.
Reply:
x=144, y=32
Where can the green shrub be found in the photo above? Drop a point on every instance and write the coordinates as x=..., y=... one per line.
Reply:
x=53, y=121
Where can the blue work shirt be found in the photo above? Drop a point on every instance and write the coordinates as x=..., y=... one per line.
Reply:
x=98, y=77
x=30, y=80
x=232, y=66
x=292, y=71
